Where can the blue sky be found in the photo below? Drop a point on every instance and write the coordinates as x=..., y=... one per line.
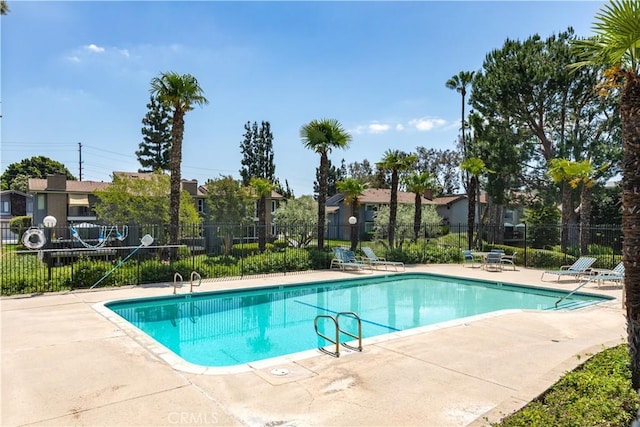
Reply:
x=79, y=72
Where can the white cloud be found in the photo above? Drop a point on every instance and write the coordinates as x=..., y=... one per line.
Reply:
x=94, y=48
x=427, y=123
x=399, y=127
x=378, y=128
x=73, y=58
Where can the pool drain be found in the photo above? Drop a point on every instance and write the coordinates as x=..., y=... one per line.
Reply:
x=280, y=372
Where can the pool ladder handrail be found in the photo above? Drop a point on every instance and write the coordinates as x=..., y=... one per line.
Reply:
x=572, y=292
x=338, y=330
x=175, y=281
x=194, y=274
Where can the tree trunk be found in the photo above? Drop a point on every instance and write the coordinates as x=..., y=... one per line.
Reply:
x=567, y=207
x=585, y=218
x=471, y=214
x=322, y=197
x=417, y=217
x=354, y=228
x=262, y=223
x=393, y=208
x=176, y=160
x=630, y=112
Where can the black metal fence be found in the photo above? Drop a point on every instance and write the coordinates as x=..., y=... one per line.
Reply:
x=87, y=255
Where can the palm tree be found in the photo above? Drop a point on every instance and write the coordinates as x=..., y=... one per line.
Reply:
x=262, y=188
x=322, y=136
x=352, y=190
x=563, y=171
x=476, y=167
x=4, y=7
x=616, y=45
x=459, y=83
x=395, y=161
x=418, y=183
x=180, y=93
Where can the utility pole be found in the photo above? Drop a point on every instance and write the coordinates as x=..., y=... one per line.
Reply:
x=80, y=159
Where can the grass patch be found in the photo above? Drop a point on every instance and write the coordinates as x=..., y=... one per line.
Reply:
x=597, y=393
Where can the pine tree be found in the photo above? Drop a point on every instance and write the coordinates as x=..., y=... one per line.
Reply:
x=257, y=152
x=155, y=149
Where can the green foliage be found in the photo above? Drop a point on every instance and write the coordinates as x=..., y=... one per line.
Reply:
x=141, y=201
x=227, y=200
x=296, y=220
x=19, y=224
x=257, y=153
x=598, y=393
x=34, y=167
x=154, y=151
x=404, y=222
x=538, y=217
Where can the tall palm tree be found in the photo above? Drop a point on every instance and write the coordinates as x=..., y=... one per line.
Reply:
x=395, y=161
x=262, y=188
x=4, y=7
x=179, y=93
x=459, y=83
x=418, y=183
x=352, y=190
x=616, y=45
x=322, y=136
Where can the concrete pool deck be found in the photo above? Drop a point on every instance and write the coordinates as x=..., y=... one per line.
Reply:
x=63, y=363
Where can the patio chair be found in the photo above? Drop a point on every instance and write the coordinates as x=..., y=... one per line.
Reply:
x=375, y=260
x=575, y=270
x=615, y=275
x=468, y=258
x=343, y=259
x=510, y=259
x=492, y=261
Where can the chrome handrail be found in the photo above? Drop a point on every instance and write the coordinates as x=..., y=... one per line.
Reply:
x=194, y=274
x=358, y=337
x=175, y=281
x=321, y=335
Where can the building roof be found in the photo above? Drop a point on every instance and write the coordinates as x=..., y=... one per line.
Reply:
x=452, y=198
x=383, y=196
x=40, y=184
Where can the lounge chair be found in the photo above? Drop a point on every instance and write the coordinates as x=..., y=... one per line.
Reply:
x=615, y=275
x=375, y=260
x=468, y=258
x=509, y=259
x=346, y=259
x=492, y=261
x=577, y=269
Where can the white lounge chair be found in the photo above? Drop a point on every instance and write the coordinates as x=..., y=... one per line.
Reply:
x=575, y=270
x=346, y=259
x=492, y=261
x=375, y=260
x=615, y=275
x=509, y=259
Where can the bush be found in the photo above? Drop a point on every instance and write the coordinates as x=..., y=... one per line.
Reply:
x=19, y=224
x=597, y=393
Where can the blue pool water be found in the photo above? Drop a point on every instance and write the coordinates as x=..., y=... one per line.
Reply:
x=234, y=327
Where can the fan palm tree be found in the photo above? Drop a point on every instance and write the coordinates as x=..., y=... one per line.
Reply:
x=322, y=136
x=418, y=183
x=459, y=83
x=395, y=161
x=563, y=171
x=179, y=93
x=616, y=45
x=4, y=7
x=262, y=187
x=352, y=190
x=476, y=167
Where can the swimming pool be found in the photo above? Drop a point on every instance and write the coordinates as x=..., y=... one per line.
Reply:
x=226, y=328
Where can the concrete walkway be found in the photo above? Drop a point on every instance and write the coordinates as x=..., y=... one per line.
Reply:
x=63, y=363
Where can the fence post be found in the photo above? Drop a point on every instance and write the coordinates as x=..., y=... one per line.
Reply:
x=525, y=245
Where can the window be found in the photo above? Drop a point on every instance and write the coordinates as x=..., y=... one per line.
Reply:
x=200, y=205
x=4, y=207
x=274, y=205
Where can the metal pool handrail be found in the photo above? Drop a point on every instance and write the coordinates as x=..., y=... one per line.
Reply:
x=175, y=281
